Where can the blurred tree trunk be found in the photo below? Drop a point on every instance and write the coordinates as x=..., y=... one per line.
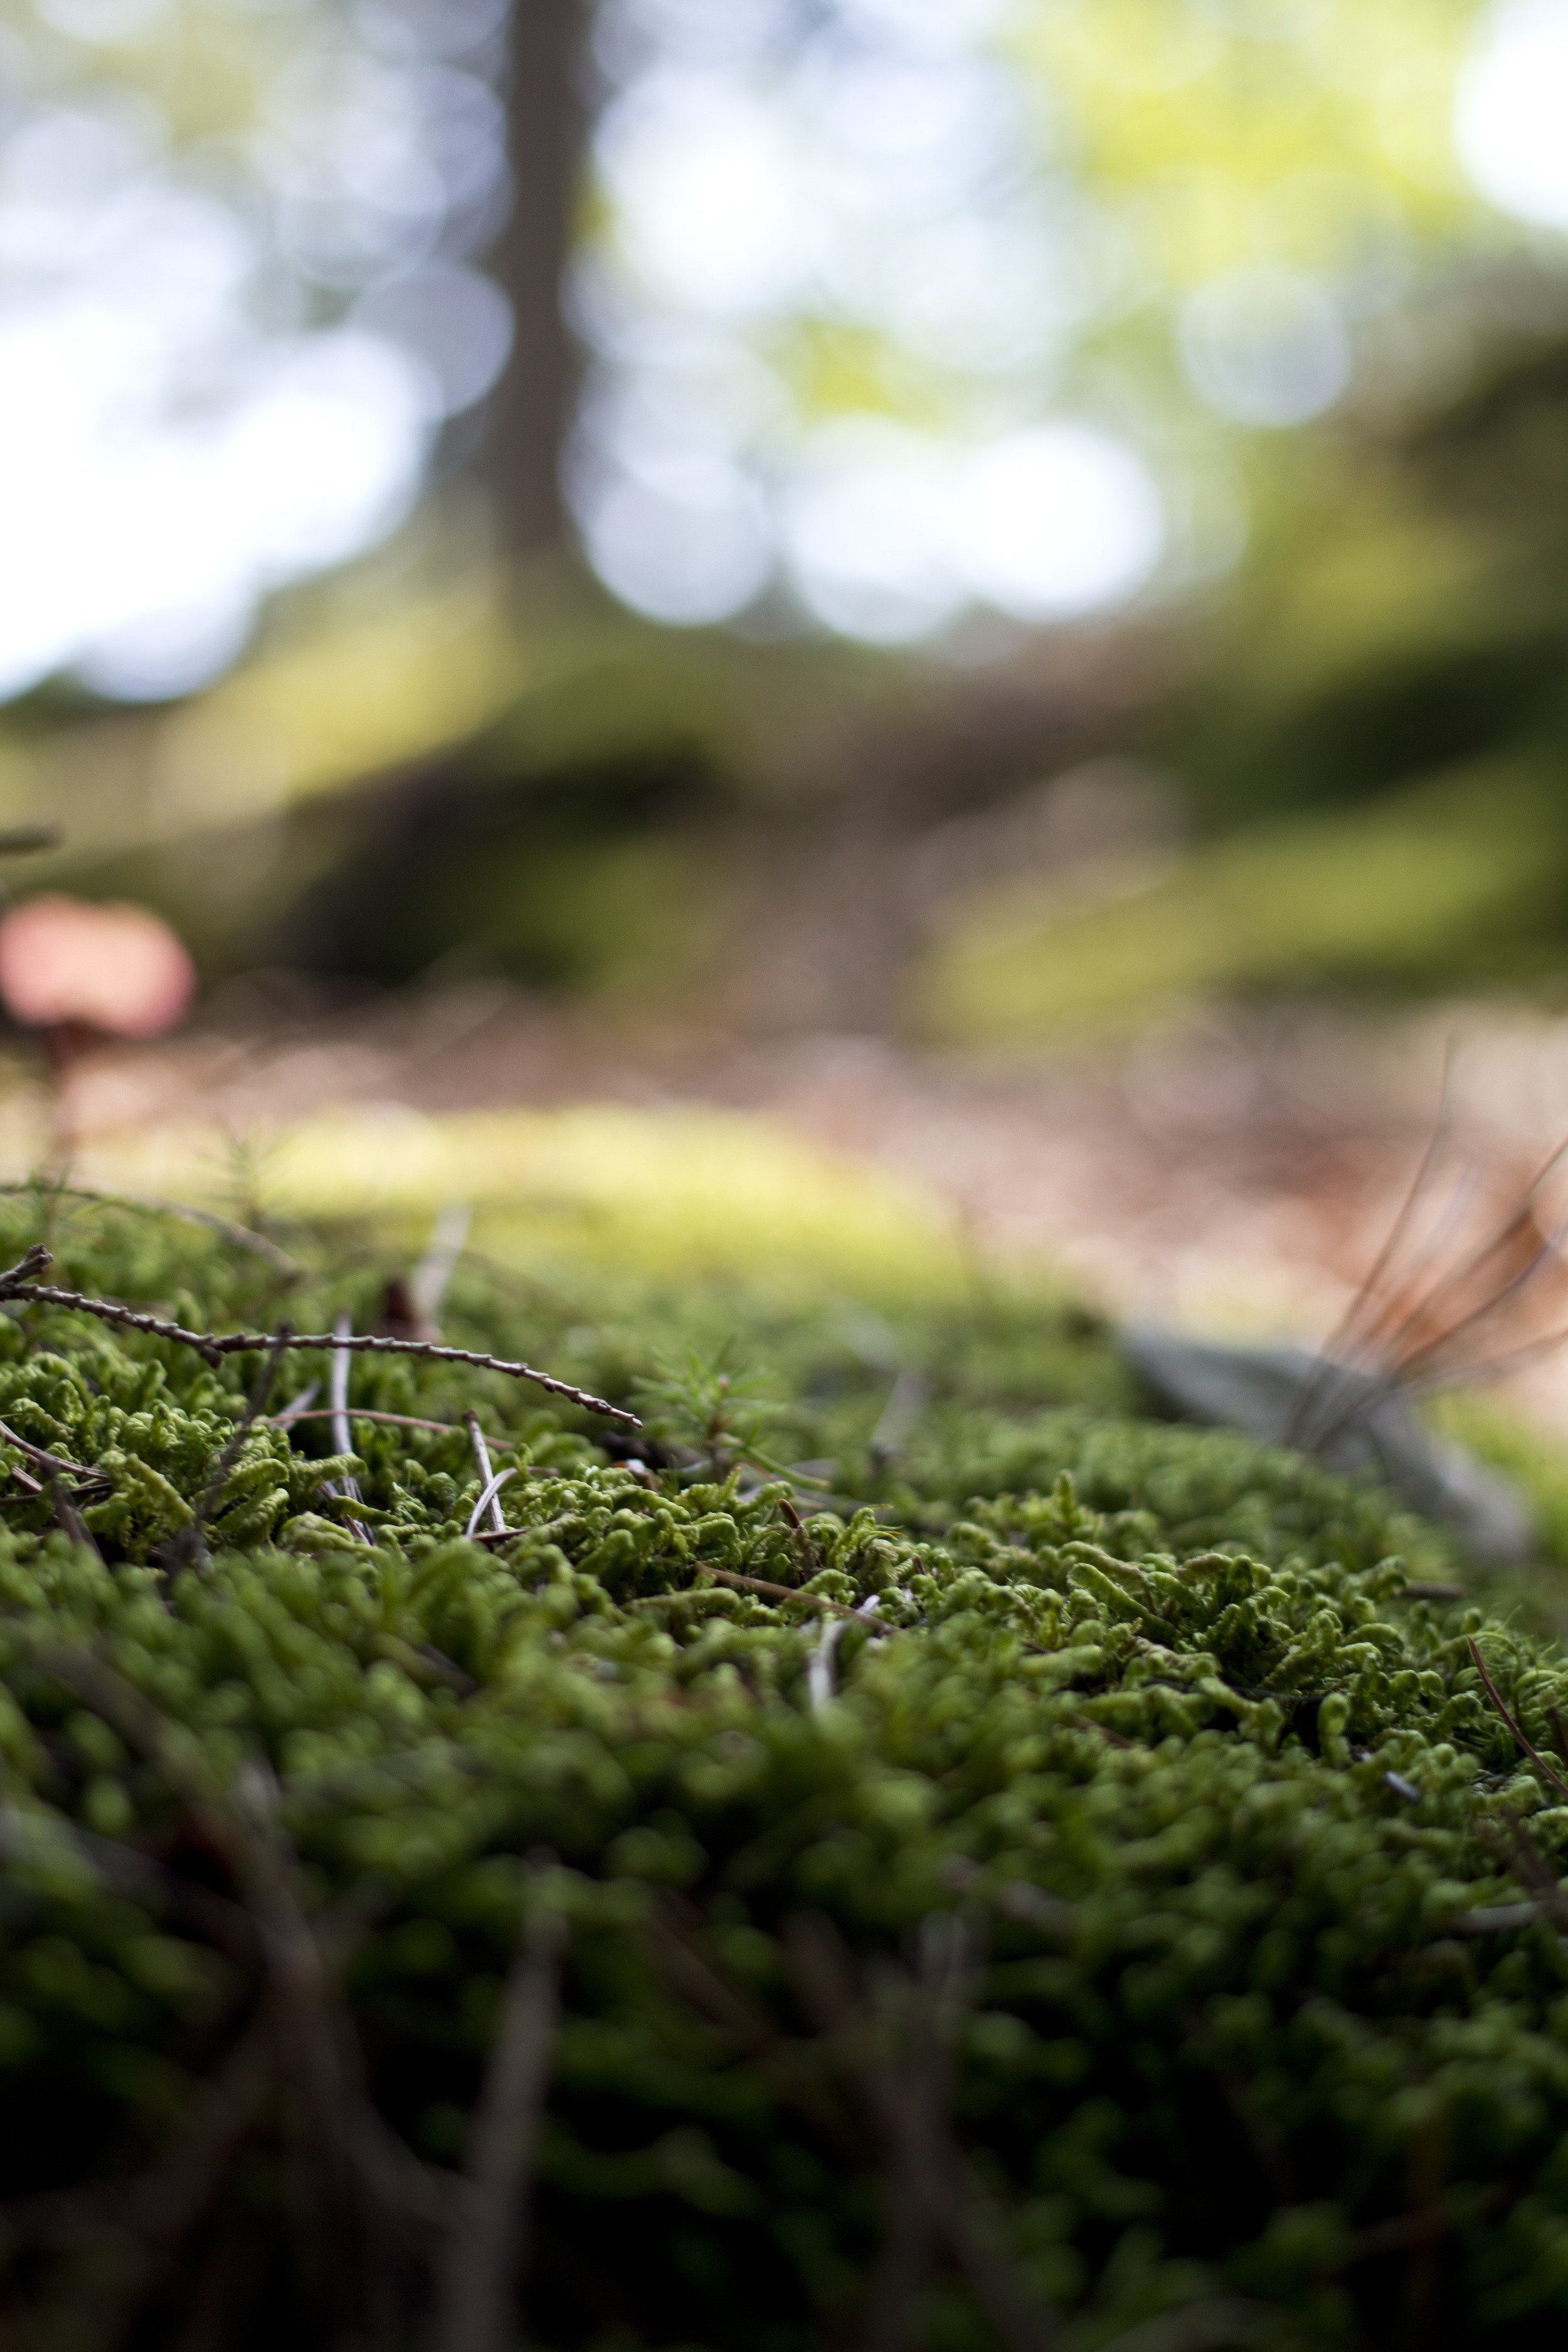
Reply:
x=532, y=405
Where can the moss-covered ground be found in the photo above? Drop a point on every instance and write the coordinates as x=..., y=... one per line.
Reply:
x=1066, y=1886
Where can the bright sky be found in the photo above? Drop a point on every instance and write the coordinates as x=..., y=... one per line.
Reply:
x=205, y=394
x=877, y=171
x=203, y=397
x=878, y=175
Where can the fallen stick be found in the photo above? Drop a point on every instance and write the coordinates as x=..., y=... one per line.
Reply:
x=18, y=1283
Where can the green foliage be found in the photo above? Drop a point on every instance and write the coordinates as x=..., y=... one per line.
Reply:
x=1215, y=1812
x=1415, y=890
x=704, y=1403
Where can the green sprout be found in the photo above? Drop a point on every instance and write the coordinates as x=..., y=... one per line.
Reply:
x=717, y=1414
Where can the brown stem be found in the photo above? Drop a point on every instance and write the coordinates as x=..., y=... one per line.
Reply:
x=18, y=1284
x=930, y=2190
x=159, y=2211
x=1495, y=1696
x=191, y=1540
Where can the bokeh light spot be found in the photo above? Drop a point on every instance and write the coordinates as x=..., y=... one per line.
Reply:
x=1060, y=521
x=1265, y=347
x=1510, y=116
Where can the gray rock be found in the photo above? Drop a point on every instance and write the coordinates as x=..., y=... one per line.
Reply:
x=1346, y=1420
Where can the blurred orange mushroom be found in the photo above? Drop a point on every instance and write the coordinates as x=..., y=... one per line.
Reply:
x=67, y=965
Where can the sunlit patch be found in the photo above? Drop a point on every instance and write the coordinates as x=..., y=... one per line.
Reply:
x=891, y=534
x=1511, y=117
x=138, y=540
x=193, y=407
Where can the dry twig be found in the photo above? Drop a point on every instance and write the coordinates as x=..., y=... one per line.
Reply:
x=1495, y=1696
x=53, y=1463
x=291, y=1414
x=18, y=1283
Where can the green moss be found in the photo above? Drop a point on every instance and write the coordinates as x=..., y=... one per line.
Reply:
x=1145, y=1734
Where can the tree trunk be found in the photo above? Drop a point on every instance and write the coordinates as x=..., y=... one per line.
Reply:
x=531, y=408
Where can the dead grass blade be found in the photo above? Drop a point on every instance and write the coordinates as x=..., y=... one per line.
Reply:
x=488, y=2239
x=1495, y=1696
x=934, y=2200
x=292, y=1414
x=190, y=1543
x=1531, y=1867
x=129, y=2257
x=56, y=1463
x=489, y=1484
x=331, y=2124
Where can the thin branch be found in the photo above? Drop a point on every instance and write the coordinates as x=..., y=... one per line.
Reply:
x=19, y=1285
x=71, y=1519
x=56, y=1463
x=1495, y=1696
x=287, y=1418
x=296, y=1409
x=1530, y=1865
x=489, y=2238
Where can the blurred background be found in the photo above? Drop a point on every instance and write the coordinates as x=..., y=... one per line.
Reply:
x=984, y=580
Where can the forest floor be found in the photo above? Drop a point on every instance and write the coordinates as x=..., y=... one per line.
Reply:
x=1230, y=1172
